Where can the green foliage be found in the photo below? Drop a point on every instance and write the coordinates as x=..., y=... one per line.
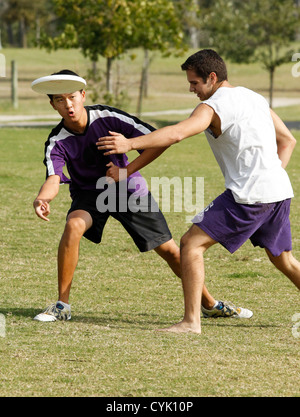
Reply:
x=242, y=30
x=254, y=31
x=67, y=40
x=158, y=25
x=110, y=27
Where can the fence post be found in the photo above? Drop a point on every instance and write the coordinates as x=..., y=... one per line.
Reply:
x=14, y=84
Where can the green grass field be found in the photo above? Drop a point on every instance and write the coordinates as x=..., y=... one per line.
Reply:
x=119, y=297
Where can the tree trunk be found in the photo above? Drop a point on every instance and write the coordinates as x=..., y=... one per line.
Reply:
x=109, y=78
x=37, y=30
x=146, y=71
x=193, y=28
x=194, y=37
x=94, y=69
x=272, y=71
x=22, y=33
x=143, y=90
x=10, y=34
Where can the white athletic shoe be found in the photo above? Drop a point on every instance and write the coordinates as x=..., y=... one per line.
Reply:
x=54, y=312
x=227, y=309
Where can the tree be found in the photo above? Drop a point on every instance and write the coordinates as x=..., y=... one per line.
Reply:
x=24, y=14
x=255, y=31
x=159, y=27
x=109, y=28
x=97, y=27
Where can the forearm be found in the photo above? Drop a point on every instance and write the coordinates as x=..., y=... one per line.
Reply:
x=49, y=189
x=285, y=152
x=116, y=143
x=148, y=156
x=162, y=138
x=200, y=119
x=284, y=138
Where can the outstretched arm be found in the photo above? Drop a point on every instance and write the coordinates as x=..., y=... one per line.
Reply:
x=200, y=119
x=48, y=192
x=285, y=140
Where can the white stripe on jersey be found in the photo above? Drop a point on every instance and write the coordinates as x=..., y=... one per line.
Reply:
x=94, y=115
x=63, y=134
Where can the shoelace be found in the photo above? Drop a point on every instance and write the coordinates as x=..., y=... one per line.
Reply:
x=230, y=308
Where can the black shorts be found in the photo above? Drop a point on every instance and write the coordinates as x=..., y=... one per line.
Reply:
x=147, y=227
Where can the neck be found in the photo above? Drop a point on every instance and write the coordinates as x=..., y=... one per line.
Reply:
x=224, y=83
x=77, y=126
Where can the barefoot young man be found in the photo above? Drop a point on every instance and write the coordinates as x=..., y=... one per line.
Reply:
x=73, y=143
x=252, y=147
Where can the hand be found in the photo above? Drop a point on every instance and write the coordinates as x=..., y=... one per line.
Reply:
x=116, y=143
x=115, y=173
x=42, y=209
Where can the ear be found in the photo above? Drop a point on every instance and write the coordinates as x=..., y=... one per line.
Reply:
x=52, y=104
x=213, y=78
x=83, y=95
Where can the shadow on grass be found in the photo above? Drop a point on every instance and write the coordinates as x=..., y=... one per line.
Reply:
x=143, y=321
x=18, y=312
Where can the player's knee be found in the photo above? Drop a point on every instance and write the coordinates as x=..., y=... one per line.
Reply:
x=193, y=240
x=75, y=227
x=168, y=250
x=185, y=240
x=285, y=262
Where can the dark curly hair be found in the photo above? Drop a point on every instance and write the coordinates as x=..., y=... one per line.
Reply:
x=205, y=62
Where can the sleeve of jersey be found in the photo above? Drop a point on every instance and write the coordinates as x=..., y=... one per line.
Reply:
x=55, y=161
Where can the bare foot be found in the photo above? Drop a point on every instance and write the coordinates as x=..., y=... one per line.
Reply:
x=182, y=327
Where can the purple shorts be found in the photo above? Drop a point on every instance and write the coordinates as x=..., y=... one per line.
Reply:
x=231, y=224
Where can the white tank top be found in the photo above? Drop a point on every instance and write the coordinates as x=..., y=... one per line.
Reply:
x=246, y=151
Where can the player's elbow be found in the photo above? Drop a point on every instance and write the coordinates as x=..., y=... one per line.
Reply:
x=287, y=142
x=293, y=142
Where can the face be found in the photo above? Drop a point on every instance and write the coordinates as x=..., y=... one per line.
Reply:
x=70, y=106
x=202, y=89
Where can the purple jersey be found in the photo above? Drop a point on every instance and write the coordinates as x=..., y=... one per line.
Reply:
x=78, y=152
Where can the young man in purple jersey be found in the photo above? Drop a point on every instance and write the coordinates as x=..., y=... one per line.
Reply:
x=73, y=143
x=252, y=147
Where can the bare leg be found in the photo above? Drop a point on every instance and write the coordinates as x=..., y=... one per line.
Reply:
x=288, y=265
x=193, y=245
x=68, y=252
x=170, y=252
